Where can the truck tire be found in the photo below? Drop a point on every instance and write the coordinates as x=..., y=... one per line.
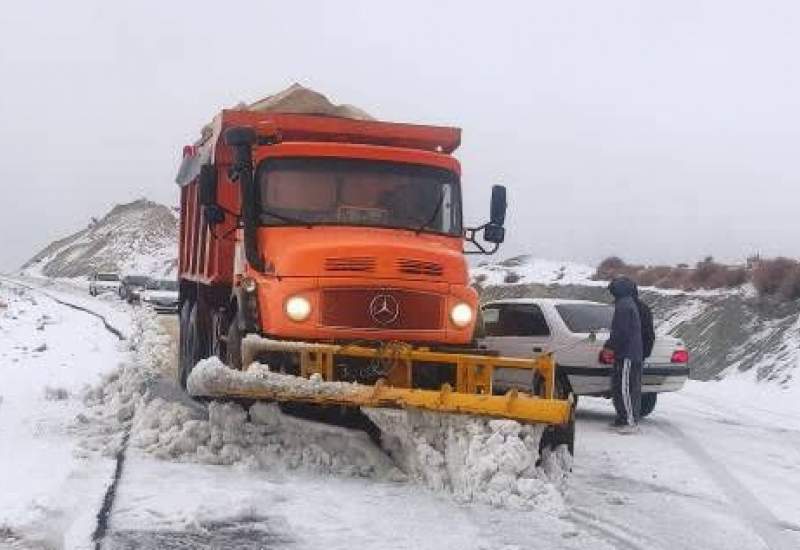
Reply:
x=562, y=435
x=233, y=347
x=648, y=403
x=183, y=324
x=194, y=344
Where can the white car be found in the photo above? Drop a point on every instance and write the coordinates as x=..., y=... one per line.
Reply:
x=575, y=330
x=103, y=282
x=161, y=295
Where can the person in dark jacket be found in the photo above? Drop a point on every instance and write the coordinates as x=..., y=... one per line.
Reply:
x=646, y=320
x=626, y=343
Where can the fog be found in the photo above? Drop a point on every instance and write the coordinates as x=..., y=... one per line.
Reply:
x=660, y=132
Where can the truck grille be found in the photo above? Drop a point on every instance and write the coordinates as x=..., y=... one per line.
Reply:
x=419, y=267
x=381, y=309
x=360, y=263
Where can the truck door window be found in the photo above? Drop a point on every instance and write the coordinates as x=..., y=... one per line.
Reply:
x=359, y=192
x=515, y=320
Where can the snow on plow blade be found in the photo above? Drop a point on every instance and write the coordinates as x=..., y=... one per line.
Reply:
x=471, y=394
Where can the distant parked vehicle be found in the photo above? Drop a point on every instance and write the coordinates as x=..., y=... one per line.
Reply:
x=575, y=330
x=103, y=282
x=161, y=295
x=132, y=286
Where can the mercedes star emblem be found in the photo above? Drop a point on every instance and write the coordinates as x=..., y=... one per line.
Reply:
x=384, y=309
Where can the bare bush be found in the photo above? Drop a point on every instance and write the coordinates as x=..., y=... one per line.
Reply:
x=769, y=275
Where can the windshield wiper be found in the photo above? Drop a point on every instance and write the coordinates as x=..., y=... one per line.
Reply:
x=434, y=214
x=287, y=219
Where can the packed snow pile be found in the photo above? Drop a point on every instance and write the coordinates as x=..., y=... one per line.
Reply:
x=211, y=376
x=475, y=459
x=113, y=402
x=140, y=237
x=261, y=437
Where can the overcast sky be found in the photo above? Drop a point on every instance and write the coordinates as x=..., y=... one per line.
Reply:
x=658, y=131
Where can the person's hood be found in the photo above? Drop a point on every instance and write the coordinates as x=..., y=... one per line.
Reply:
x=622, y=287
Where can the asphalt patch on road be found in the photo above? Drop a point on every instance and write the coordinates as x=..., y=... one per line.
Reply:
x=258, y=533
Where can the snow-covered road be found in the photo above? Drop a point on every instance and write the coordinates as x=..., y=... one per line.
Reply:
x=716, y=466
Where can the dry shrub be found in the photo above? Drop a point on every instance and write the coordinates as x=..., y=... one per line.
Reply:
x=614, y=266
x=711, y=275
x=707, y=274
x=737, y=276
x=769, y=275
x=777, y=277
x=677, y=278
x=652, y=276
x=790, y=287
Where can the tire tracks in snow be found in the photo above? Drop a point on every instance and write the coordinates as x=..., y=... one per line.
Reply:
x=109, y=327
x=103, y=515
x=763, y=522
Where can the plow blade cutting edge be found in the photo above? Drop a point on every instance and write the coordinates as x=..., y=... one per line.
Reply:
x=317, y=384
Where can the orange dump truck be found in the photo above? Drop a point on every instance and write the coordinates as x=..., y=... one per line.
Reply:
x=334, y=248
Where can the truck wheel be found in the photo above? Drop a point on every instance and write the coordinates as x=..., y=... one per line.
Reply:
x=648, y=403
x=183, y=329
x=562, y=435
x=195, y=344
x=233, y=347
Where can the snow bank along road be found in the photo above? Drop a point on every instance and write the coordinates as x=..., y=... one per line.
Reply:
x=709, y=469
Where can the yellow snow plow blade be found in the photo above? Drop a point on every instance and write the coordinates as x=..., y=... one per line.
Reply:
x=471, y=393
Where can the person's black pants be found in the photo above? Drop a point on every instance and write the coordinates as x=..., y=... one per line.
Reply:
x=626, y=388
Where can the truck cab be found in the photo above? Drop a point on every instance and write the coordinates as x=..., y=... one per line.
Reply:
x=321, y=229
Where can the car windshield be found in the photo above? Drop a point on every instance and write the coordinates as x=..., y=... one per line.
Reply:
x=107, y=277
x=359, y=192
x=586, y=317
x=140, y=280
x=162, y=284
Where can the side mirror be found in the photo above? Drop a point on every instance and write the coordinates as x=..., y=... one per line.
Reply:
x=207, y=185
x=494, y=234
x=497, y=215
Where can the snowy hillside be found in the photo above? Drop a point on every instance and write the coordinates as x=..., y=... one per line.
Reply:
x=731, y=333
x=138, y=237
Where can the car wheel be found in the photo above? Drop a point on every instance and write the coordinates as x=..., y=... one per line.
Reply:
x=648, y=403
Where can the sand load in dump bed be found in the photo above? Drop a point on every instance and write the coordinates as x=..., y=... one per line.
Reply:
x=299, y=100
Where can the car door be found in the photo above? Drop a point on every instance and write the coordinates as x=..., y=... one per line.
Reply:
x=516, y=330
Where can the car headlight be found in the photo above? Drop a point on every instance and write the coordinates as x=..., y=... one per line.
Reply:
x=461, y=315
x=298, y=308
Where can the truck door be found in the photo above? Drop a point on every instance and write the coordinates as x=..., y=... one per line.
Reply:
x=515, y=330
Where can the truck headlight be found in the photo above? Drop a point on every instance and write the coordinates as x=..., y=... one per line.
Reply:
x=298, y=308
x=461, y=315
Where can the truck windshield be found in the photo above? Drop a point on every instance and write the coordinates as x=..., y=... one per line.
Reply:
x=586, y=317
x=330, y=191
x=107, y=277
